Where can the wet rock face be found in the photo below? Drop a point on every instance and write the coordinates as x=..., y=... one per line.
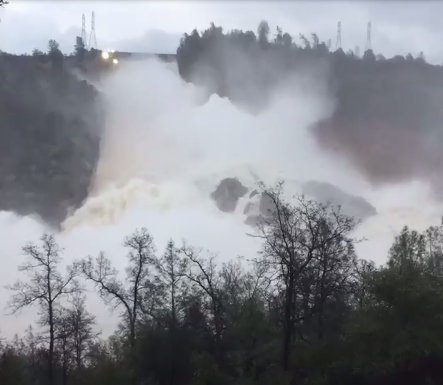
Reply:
x=351, y=205
x=260, y=206
x=266, y=205
x=253, y=194
x=227, y=194
x=50, y=127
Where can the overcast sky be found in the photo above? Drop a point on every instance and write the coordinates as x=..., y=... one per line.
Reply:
x=156, y=26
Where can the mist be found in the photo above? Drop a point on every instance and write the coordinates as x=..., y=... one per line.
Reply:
x=162, y=154
x=389, y=126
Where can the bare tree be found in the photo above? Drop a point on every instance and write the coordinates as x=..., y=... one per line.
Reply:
x=206, y=280
x=172, y=268
x=133, y=293
x=334, y=264
x=64, y=332
x=45, y=288
x=360, y=281
x=82, y=323
x=170, y=283
x=34, y=348
x=294, y=236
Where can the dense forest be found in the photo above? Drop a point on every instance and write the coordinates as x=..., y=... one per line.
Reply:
x=387, y=117
x=305, y=310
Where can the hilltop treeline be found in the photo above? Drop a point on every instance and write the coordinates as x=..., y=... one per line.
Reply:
x=387, y=119
x=50, y=124
x=304, y=310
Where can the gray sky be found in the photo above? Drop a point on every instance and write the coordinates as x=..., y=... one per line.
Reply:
x=156, y=26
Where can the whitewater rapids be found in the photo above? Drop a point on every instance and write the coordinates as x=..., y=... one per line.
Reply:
x=163, y=153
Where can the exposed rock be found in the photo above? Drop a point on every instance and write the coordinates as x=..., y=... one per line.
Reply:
x=249, y=208
x=351, y=205
x=261, y=207
x=253, y=194
x=227, y=194
x=50, y=125
x=252, y=212
x=266, y=205
x=252, y=220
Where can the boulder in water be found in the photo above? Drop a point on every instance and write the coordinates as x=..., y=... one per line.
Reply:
x=253, y=194
x=266, y=205
x=351, y=205
x=227, y=194
x=261, y=207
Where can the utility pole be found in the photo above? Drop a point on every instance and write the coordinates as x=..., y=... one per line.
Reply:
x=368, y=38
x=338, y=41
x=92, y=36
x=83, y=36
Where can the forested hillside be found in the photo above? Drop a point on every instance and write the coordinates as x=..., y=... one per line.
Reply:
x=388, y=115
x=386, y=121
x=50, y=125
x=304, y=311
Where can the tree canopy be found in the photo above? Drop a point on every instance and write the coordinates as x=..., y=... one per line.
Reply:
x=394, y=98
x=304, y=310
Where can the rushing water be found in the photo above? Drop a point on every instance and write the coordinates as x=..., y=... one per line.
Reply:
x=164, y=152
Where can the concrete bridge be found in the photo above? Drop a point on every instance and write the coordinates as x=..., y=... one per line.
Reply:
x=143, y=56
x=120, y=55
x=95, y=62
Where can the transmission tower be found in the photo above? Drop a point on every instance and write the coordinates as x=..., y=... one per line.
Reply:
x=92, y=36
x=338, y=42
x=83, y=36
x=368, y=38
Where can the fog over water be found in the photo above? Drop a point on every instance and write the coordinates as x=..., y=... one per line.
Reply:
x=163, y=153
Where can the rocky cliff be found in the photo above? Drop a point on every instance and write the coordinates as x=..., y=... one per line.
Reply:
x=50, y=125
x=229, y=191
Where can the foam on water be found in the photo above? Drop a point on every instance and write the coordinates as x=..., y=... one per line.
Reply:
x=162, y=155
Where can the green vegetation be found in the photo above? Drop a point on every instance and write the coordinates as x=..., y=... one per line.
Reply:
x=384, y=107
x=50, y=123
x=305, y=310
